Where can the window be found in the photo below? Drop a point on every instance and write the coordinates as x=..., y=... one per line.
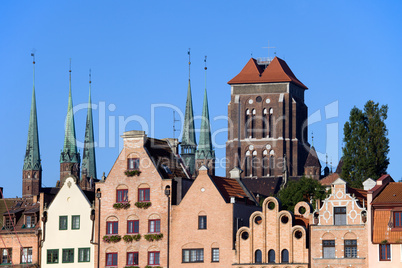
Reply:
x=30, y=221
x=112, y=227
x=75, y=222
x=397, y=219
x=6, y=255
x=84, y=255
x=153, y=258
x=258, y=256
x=350, y=249
x=133, y=227
x=132, y=258
x=154, y=226
x=63, y=223
x=215, y=255
x=193, y=255
x=271, y=255
x=111, y=259
x=144, y=195
x=68, y=255
x=339, y=215
x=385, y=252
x=122, y=195
x=9, y=222
x=285, y=256
x=52, y=256
x=254, y=164
x=202, y=222
x=328, y=249
x=133, y=163
x=265, y=166
x=271, y=165
x=247, y=166
x=26, y=255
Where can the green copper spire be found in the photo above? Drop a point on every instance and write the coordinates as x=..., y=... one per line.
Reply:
x=188, y=143
x=204, y=150
x=32, y=154
x=88, y=158
x=70, y=153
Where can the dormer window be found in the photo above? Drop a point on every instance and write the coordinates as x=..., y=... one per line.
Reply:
x=133, y=163
x=8, y=223
x=30, y=221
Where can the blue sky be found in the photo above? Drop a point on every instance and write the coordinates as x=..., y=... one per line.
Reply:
x=345, y=52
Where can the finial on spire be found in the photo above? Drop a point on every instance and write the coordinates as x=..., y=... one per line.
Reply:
x=312, y=138
x=70, y=67
x=326, y=160
x=205, y=68
x=90, y=77
x=33, y=64
x=189, y=63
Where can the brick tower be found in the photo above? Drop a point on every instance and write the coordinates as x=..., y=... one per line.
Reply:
x=69, y=157
x=267, y=120
x=32, y=170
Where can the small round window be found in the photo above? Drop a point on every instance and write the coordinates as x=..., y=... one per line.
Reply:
x=298, y=234
x=244, y=235
x=271, y=205
x=258, y=99
x=284, y=219
x=258, y=220
x=302, y=210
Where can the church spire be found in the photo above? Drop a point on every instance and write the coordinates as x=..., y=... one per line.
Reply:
x=32, y=170
x=205, y=151
x=188, y=143
x=88, y=158
x=69, y=155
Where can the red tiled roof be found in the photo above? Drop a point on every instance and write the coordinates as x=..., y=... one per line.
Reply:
x=360, y=194
x=228, y=187
x=276, y=71
x=328, y=180
x=391, y=194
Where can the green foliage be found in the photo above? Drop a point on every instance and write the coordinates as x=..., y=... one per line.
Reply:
x=131, y=173
x=143, y=205
x=130, y=238
x=111, y=238
x=131, y=267
x=120, y=205
x=366, y=144
x=153, y=237
x=149, y=266
x=305, y=189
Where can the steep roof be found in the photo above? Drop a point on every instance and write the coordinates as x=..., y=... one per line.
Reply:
x=164, y=158
x=339, y=167
x=312, y=159
x=265, y=186
x=392, y=193
x=328, y=180
x=360, y=194
x=381, y=228
x=276, y=71
x=204, y=150
x=16, y=208
x=229, y=187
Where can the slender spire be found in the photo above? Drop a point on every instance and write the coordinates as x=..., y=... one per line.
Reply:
x=32, y=155
x=70, y=153
x=88, y=158
x=188, y=128
x=205, y=150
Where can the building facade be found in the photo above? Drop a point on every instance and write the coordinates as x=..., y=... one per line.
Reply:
x=204, y=224
x=68, y=228
x=339, y=234
x=267, y=120
x=274, y=238
x=136, y=202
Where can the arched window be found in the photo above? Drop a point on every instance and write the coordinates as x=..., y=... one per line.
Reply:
x=285, y=256
x=265, y=166
x=264, y=123
x=271, y=165
x=247, y=166
x=247, y=122
x=270, y=132
x=254, y=165
x=252, y=124
x=271, y=255
x=258, y=256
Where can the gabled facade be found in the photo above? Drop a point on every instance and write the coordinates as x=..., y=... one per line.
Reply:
x=136, y=201
x=204, y=224
x=339, y=235
x=275, y=237
x=67, y=228
x=385, y=222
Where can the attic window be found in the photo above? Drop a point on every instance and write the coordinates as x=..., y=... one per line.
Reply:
x=30, y=221
x=9, y=222
x=133, y=163
x=167, y=169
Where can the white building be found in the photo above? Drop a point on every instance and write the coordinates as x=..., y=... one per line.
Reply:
x=68, y=229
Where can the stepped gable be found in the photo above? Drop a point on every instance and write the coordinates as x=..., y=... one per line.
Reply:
x=276, y=71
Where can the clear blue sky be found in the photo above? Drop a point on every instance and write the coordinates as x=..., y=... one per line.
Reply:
x=345, y=52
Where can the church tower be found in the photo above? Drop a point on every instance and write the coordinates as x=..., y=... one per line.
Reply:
x=188, y=143
x=205, y=155
x=267, y=120
x=69, y=157
x=88, y=168
x=32, y=170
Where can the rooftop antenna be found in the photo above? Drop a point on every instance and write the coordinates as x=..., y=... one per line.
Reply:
x=174, y=124
x=268, y=47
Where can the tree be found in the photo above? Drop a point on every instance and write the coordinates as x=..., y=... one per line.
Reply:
x=366, y=144
x=305, y=189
